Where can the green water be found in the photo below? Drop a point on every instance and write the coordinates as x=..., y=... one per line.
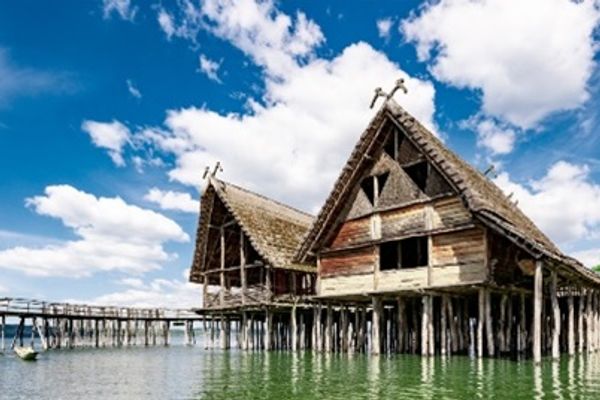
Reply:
x=180, y=372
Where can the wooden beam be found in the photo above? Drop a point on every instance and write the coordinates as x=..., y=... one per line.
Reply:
x=243, y=266
x=555, y=318
x=537, y=311
x=376, y=326
x=480, y=320
x=571, y=326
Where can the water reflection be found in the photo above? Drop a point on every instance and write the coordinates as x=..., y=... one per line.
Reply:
x=194, y=373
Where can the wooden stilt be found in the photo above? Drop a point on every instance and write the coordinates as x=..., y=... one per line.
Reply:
x=269, y=330
x=294, y=329
x=453, y=331
x=425, y=327
x=2, y=333
x=537, y=312
x=430, y=329
x=443, y=324
x=480, y=321
x=376, y=326
x=401, y=324
x=555, y=317
x=344, y=329
x=488, y=324
x=329, y=329
x=580, y=311
x=571, y=325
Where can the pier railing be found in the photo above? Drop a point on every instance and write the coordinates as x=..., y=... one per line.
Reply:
x=20, y=307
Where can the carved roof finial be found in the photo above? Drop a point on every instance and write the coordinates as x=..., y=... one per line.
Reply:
x=208, y=174
x=380, y=93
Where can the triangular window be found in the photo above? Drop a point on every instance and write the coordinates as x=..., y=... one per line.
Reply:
x=419, y=173
x=372, y=186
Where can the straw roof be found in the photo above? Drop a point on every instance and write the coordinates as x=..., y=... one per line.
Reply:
x=275, y=230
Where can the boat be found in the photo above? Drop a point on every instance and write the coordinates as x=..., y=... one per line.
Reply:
x=26, y=353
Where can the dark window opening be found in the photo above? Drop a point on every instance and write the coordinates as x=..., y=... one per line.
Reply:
x=407, y=253
x=419, y=173
x=368, y=186
x=392, y=145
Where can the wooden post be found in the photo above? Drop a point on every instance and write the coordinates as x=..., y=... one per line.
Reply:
x=488, y=324
x=425, y=327
x=222, y=272
x=480, y=320
x=431, y=329
x=269, y=333
x=502, y=324
x=453, y=331
x=443, y=324
x=223, y=334
x=376, y=326
x=401, y=324
x=571, y=326
x=328, y=329
x=315, y=328
x=294, y=328
x=344, y=328
x=580, y=310
x=537, y=311
x=2, y=345
x=555, y=317
x=243, y=266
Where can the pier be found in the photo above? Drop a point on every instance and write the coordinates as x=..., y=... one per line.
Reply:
x=64, y=325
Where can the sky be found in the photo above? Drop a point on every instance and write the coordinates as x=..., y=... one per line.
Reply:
x=110, y=110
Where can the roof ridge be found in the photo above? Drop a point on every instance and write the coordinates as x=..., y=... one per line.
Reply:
x=256, y=194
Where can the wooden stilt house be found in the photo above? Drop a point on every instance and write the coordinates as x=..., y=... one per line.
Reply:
x=414, y=251
x=244, y=249
x=442, y=254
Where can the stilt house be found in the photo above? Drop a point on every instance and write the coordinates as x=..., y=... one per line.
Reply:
x=414, y=251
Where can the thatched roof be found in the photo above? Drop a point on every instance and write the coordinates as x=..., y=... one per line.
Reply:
x=275, y=230
x=481, y=196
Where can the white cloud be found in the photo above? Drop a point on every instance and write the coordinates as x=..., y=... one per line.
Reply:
x=169, y=200
x=271, y=38
x=17, y=80
x=132, y=282
x=134, y=91
x=294, y=146
x=163, y=293
x=123, y=8
x=528, y=59
x=384, y=27
x=210, y=68
x=165, y=20
x=292, y=142
x=496, y=137
x=563, y=203
x=590, y=258
x=111, y=136
x=111, y=235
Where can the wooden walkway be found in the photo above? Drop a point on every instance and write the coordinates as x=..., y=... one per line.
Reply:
x=75, y=325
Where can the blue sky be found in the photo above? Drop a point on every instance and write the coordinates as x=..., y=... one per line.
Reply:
x=110, y=110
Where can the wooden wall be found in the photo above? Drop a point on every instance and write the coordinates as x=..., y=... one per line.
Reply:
x=456, y=258
x=446, y=213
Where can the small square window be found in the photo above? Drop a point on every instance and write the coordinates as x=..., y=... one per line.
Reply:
x=406, y=253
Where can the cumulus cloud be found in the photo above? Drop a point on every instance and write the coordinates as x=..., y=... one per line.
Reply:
x=563, y=203
x=111, y=136
x=133, y=90
x=163, y=293
x=209, y=68
x=111, y=235
x=170, y=200
x=591, y=257
x=293, y=146
x=384, y=27
x=528, y=59
x=492, y=135
x=292, y=141
x=123, y=8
